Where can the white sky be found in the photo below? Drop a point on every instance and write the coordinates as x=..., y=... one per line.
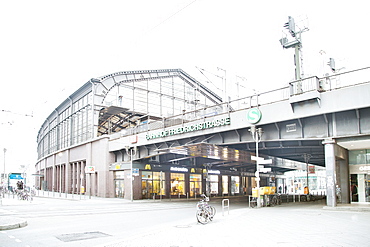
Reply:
x=48, y=49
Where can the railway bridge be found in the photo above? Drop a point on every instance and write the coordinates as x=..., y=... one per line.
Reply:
x=313, y=120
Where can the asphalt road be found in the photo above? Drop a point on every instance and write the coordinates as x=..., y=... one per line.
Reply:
x=115, y=223
x=58, y=222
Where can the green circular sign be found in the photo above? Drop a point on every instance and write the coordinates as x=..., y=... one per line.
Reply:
x=254, y=115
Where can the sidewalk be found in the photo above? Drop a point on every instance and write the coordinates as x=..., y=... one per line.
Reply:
x=7, y=222
x=293, y=224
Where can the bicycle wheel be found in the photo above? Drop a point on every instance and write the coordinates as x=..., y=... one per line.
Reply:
x=212, y=212
x=202, y=217
x=273, y=201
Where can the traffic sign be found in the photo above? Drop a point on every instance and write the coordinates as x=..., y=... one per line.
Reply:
x=269, y=161
x=264, y=170
x=135, y=172
x=261, y=160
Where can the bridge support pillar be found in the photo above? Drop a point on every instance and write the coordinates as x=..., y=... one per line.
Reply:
x=337, y=173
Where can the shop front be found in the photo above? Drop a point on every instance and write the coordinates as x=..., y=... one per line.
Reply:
x=359, y=166
x=164, y=182
x=170, y=182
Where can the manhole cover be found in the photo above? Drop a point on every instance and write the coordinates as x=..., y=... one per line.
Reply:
x=183, y=226
x=80, y=236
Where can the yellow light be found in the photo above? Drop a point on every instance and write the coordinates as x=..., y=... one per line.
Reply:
x=204, y=170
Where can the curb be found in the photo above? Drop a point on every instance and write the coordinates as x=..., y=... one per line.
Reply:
x=353, y=209
x=8, y=223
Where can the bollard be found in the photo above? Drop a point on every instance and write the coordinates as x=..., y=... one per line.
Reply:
x=223, y=206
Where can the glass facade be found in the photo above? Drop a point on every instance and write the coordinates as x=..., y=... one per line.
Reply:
x=157, y=93
x=66, y=127
x=359, y=157
x=162, y=97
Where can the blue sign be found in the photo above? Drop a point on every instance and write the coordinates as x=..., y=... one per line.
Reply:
x=15, y=176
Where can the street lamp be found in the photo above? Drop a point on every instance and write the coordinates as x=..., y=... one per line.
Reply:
x=4, y=180
x=257, y=136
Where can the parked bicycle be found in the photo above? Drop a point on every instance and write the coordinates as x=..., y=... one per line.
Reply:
x=266, y=200
x=205, y=212
x=24, y=195
x=253, y=202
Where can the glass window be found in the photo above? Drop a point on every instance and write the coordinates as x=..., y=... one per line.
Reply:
x=177, y=184
x=213, y=183
x=235, y=185
x=195, y=185
x=152, y=184
x=225, y=185
x=159, y=183
x=119, y=184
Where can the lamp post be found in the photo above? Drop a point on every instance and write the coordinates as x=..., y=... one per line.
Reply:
x=307, y=158
x=4, y=176
x=257, y=136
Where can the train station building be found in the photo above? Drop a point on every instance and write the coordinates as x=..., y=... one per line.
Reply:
x=155, y=134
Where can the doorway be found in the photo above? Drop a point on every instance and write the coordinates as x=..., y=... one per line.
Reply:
x=146, y=188
x=360, y=187
x=120, y=188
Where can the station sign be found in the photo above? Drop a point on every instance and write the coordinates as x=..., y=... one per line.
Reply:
x=190, y=128
x=254, y=115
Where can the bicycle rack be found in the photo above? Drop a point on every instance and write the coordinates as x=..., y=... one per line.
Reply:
x=223, y=206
